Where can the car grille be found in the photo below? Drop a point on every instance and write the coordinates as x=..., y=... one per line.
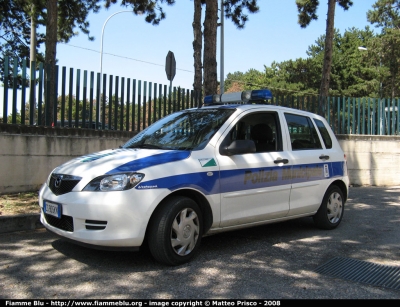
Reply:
x=64, y=223
x=62, y=184
x=95, y=225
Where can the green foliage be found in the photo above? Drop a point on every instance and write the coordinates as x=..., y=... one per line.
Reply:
x=15, y=33
x=15, y=20
x=234, y=10
x=151, y=8
x=354, y=73
x=384, y=48
x=385, y=14
x=307, y=10
x=72, y=14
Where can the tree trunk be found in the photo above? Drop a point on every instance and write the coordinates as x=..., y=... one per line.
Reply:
x=393, y=68
x=326, y=71
x=210, y=47
x=50, y=62
x=197, y=47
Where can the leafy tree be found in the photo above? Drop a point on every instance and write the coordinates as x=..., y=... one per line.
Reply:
x=151, y=8
x=307, y=12
x=234, y=10
x=353, y=74
x=348, y=72
x=384, y=49
x=15, y=35
x=62, y=17
x=385, y=14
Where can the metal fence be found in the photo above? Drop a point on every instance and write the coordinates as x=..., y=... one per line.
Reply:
x=87, y=100
x=350, y=115
x=83, y=101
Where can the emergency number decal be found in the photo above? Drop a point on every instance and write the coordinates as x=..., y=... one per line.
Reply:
x=326, y=171
x=207, y=162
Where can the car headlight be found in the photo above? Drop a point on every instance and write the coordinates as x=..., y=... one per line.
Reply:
x=115, y=182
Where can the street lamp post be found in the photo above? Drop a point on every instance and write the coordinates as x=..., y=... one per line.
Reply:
x=101, y=52
x=222, y=82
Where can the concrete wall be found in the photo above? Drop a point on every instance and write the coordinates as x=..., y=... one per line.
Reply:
x=29, y=154
x=372, y=160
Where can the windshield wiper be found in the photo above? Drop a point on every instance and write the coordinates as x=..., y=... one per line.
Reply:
x=147, y=146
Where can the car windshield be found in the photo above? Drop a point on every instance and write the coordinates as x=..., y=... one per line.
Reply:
x=184, y=130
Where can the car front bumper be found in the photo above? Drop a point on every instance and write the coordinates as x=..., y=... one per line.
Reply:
x=107, y=220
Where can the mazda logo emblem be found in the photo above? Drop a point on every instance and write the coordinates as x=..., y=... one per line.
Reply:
x=57, y=183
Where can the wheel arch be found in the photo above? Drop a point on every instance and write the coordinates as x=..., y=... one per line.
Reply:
x=196, y=196
x=342, y=186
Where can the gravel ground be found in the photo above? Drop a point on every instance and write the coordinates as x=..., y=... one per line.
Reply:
x=276, y=261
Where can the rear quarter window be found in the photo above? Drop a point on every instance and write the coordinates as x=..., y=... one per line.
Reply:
x=323, y=130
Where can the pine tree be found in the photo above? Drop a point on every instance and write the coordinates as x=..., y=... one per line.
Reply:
x=307, y=12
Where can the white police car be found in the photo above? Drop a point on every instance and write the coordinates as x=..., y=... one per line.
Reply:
x=234, y=162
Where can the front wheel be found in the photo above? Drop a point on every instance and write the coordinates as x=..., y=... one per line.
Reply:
x=175, y=231
x=330, y=213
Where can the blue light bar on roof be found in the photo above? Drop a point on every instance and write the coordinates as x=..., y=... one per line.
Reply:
x=261, y=94
x=208, y=100
x=212, y=99
x=238, y=97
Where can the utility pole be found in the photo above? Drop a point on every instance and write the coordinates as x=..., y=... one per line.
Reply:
x=222, y=81
x=32, y=58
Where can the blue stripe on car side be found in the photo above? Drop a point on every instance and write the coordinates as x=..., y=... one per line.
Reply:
x=162, y=158
x=198, y=181
x=253, y=178
x=338, y=169
x=245, y=179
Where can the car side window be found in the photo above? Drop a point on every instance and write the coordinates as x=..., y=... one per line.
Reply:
x=303, y=134
x=324, y=133
x=262, y=128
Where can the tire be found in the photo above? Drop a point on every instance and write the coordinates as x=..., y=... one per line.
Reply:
x=330, y=213
x=175, y=231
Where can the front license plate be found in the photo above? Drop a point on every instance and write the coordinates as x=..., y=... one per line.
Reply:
x=52, y=209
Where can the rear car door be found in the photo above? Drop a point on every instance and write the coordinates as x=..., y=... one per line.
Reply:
x=311, y=167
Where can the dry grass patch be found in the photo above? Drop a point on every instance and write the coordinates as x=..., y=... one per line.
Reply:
x=19, y=203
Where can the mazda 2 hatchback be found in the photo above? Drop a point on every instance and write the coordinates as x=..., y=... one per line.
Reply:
x=235, y=162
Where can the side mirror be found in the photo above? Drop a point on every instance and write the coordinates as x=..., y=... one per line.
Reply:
x=238, y=147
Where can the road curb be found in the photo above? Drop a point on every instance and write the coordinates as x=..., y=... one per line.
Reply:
x=21, y=222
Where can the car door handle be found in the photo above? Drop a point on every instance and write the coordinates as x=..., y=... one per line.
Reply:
x=324, y=157
x=280, y=160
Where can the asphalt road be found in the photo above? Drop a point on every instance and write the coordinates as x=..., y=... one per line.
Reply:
x=276, y=261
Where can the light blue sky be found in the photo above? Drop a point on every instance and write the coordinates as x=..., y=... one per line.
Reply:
x=139, y=49
x=270, y=35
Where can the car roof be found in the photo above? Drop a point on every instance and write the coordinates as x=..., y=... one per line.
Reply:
x=262, y=107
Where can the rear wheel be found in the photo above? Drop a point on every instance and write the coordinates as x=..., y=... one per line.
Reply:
x=175, y=231
x=330, y=213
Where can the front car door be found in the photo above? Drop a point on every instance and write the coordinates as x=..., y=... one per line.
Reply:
x=254, y=187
